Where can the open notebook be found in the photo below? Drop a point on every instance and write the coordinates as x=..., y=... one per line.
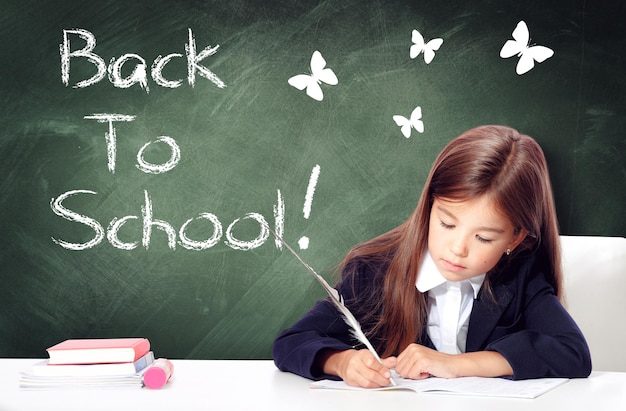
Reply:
x=489, y=387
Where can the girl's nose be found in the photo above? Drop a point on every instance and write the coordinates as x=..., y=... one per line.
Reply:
x=459, y=247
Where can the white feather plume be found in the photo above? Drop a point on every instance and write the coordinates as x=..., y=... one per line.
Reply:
x=337, y=301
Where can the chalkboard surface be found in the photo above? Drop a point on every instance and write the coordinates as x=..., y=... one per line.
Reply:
x=144, y=145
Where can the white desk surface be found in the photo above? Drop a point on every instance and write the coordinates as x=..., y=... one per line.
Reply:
x=258, y=385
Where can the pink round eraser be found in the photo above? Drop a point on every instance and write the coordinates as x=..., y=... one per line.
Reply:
x=157, y=375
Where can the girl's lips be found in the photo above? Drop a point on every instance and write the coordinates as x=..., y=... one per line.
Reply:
x=451, y=266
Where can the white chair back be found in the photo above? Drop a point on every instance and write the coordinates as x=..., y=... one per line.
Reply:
x=594, y=271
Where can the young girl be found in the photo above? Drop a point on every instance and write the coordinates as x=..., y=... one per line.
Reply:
x=469, y=285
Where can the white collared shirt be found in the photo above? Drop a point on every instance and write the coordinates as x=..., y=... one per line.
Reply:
x=449, y=306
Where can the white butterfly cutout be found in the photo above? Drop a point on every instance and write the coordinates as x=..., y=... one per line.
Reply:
x=419, y=46
x=415, y=121
x=520, y=46
x=312, y=82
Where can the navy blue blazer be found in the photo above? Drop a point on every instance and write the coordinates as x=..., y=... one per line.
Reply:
x=523, y=320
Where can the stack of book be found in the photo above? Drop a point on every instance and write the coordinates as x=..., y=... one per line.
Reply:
x=91, y=363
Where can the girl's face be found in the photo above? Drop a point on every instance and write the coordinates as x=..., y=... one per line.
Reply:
x=467, y=238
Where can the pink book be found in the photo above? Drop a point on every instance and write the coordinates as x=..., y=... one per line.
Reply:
x=98, y=351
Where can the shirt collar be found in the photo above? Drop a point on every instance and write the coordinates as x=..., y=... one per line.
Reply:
x=429, y=277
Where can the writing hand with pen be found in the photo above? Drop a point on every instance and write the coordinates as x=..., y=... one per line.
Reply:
x=360, y=368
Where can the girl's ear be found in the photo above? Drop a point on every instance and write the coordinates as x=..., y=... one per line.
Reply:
x=518, y=237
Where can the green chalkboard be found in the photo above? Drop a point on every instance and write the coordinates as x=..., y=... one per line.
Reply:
x=143, y=144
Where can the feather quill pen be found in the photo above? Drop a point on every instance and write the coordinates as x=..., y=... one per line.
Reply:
x=337, y=301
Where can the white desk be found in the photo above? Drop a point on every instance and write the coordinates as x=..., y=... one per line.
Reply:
x=258, y=385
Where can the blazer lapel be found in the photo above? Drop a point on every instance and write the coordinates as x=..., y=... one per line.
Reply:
x=485, y=315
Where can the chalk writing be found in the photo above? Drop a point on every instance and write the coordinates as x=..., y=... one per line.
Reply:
x=139, y=73
x=308, y=201
x=146, y=218
x=110, y=136
x=149, y=222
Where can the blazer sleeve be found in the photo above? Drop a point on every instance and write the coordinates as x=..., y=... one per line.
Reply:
x=537, y=335
x=296, y=349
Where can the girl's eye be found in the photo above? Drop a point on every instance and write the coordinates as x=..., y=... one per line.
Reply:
x=446, y=226
x=483, y=240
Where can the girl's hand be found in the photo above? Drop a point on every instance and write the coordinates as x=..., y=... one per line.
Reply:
x=359, y=368
x=418, y=362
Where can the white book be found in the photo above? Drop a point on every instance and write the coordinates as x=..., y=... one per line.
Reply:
x=44, y=369
x=30, y=382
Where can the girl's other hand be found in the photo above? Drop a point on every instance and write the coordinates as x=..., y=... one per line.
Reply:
x=418, y=362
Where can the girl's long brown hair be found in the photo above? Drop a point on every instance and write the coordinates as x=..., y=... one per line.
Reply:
x=494, y=160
